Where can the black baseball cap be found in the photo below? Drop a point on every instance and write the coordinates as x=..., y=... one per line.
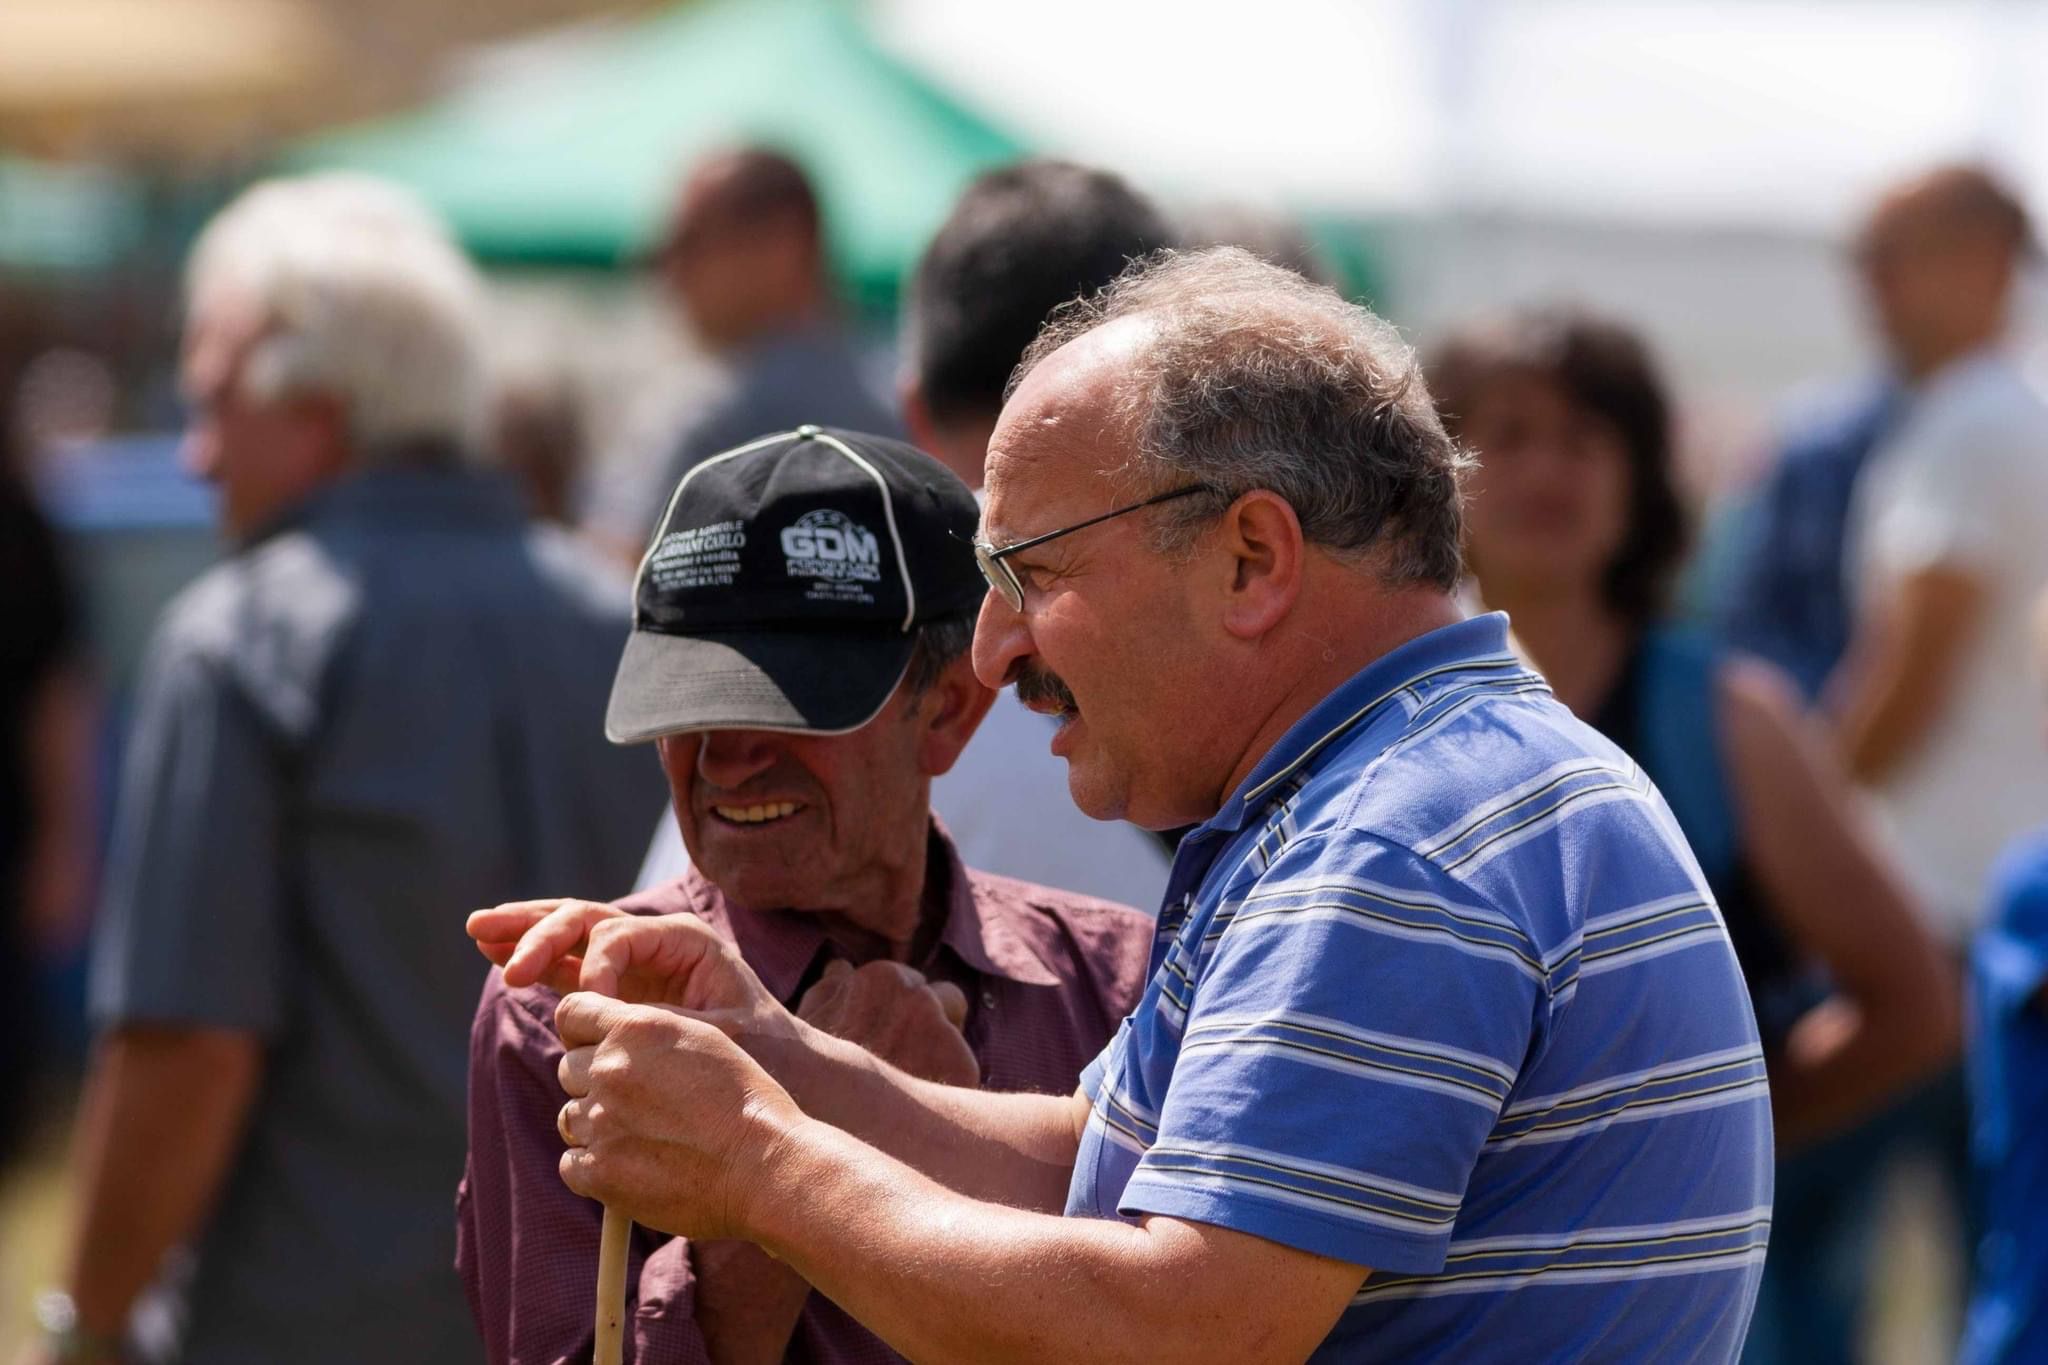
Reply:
x=785, y=584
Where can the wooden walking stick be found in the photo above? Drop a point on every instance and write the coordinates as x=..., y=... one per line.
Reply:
x=611, y=1288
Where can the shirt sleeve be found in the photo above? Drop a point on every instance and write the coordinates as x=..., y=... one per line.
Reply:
x=1347, y=1049
x=1965, y=487
x=526, y=1245
x=2009, y=961
x=192, y=927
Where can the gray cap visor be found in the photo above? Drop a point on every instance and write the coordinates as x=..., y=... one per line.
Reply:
x=810, y=682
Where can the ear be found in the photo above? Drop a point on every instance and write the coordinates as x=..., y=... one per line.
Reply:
x=1265, y=556
x=327, y=426
x=948, y=715
x=917, y=414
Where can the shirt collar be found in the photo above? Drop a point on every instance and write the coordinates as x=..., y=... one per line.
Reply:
x=1478, y=640
x=979, y=926
x=783, y=945
x=427, y=484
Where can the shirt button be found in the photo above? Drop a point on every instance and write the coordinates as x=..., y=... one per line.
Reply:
x=988, y=998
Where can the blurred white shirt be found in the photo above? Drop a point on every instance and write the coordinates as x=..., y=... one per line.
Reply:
x=1963, y=484
x=1007, y=806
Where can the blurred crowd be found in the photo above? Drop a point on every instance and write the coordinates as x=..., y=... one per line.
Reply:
x=386, y=707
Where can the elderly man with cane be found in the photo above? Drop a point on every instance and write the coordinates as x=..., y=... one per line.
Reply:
x=1445, y=1054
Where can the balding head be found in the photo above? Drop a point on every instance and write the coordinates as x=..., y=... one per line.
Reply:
x=1240, y=374
x=1219, y=491
x=1938, y=256
x=1963, y=203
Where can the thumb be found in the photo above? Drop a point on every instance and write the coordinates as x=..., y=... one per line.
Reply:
x=835, y=969
x=585, y=1017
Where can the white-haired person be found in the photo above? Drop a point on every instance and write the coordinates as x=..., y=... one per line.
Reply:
x=383, y=708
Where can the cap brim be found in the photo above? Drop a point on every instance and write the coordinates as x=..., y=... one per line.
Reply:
x=809, y=682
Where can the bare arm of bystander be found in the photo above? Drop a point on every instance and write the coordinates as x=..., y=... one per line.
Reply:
x=159, y=1123
x=1901, y=668
x=1896, y=1018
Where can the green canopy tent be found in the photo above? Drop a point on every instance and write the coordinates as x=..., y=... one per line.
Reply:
x=577, y=163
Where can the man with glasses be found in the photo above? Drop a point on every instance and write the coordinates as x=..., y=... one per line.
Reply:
x=1445, y=1054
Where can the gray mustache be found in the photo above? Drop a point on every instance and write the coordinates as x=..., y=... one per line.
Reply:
x=1036, y=686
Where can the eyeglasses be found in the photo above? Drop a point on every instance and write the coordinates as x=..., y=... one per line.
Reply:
x=1003, y=580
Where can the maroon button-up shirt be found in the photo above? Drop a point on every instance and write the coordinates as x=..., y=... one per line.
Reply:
x=1047, y=976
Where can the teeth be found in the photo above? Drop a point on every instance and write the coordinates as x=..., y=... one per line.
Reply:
x=758, y=814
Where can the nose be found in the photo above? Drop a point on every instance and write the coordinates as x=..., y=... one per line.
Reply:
x=1002, y=641
x=729, y=758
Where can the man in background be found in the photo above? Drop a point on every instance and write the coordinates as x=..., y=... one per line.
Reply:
x=1021, y=241
x=744, y=265
x=1947, y=554
x=362, y=723
x=1943, y=555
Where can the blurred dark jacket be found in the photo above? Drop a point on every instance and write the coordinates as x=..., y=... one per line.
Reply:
x=379, y=717
x=1787, y=600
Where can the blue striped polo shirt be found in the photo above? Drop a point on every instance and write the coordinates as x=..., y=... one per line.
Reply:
x=1440, y=991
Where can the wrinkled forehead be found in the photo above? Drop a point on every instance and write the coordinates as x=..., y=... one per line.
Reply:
x=1064, y=436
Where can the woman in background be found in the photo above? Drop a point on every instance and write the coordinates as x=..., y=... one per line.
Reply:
x=1575, y=529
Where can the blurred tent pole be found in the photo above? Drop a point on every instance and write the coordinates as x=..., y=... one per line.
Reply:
x=576, y=161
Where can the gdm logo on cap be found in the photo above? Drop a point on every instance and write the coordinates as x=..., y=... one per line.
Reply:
x=827, y=544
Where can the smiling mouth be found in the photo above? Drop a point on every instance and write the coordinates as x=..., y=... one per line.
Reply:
x=764, y=814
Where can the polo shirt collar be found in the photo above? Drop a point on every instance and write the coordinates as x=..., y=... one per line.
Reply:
x=782, y=946
x=1363, y=695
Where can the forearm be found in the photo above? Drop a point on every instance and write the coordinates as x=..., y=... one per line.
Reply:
x=1842, y=1063
x=159, y=1123
x=748, y=1303
x=1883, y=716
x=1901, y=671
x=942, y=1277
x=1013, y=1149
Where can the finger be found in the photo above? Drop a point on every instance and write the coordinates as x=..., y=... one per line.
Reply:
x=556, y=935
x=907, y=977
x=668, y=946
x=572, y=1122
x=835, y=969
x=952, y=1002
x=578, y=1171
x=508, y=921
x=585, y=1018
x=823, y=1002
x=561, y=976
x=573, y=1071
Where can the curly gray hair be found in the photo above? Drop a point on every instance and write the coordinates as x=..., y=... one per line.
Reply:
x=1254, y=378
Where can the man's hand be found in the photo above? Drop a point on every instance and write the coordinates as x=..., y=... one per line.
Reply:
x=893, y=1012
x=668, y=1120
x=574, y=945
